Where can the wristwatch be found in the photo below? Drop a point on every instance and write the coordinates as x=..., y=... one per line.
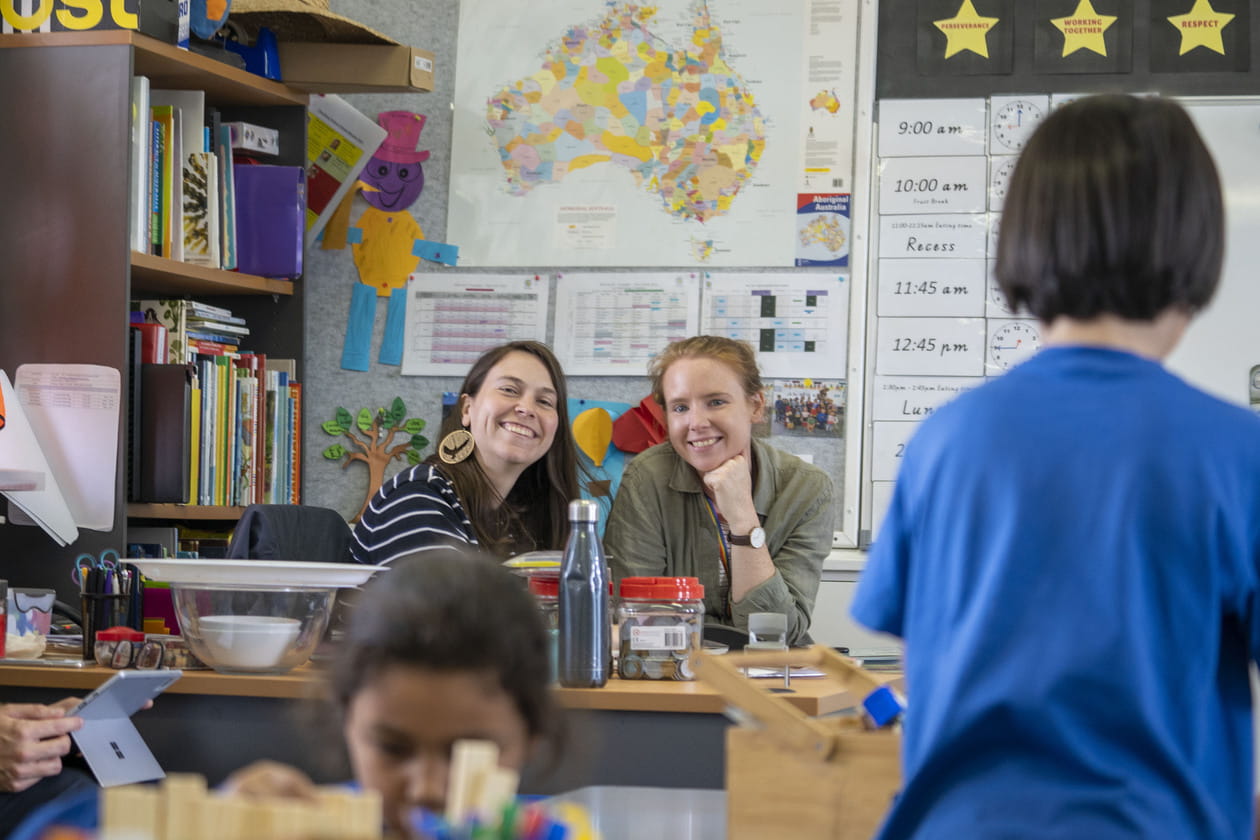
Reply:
x=755, y=538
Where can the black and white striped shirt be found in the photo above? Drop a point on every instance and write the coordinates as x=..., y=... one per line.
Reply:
x=416, y=510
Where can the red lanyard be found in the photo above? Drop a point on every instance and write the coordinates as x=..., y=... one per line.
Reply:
x=724, y=547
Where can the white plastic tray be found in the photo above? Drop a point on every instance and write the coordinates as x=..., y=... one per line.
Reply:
x=256, y=572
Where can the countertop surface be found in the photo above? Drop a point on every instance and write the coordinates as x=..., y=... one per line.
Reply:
x=813, y=695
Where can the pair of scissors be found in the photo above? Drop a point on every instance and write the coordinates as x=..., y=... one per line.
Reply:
x=85, y=563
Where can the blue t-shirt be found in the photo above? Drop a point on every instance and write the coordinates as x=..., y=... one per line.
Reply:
x=1071, y=557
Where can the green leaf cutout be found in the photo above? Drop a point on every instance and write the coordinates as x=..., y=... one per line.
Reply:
x=397, y=412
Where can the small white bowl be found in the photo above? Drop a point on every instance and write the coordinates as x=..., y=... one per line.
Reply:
x=249, y=642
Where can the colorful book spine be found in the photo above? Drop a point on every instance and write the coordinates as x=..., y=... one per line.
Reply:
x=295, y=465
x=156, y=164
x=227, y=198
x=201, y=209
x=165, y=116
x=194, y=443
x=141, y=137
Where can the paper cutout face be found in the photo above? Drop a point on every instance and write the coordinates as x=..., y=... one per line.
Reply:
x=394, y=173
x=396, y=185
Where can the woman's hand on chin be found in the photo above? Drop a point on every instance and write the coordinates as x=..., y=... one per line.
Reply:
x=730, y=487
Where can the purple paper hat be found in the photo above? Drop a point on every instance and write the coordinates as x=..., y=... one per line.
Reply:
x=404, y=129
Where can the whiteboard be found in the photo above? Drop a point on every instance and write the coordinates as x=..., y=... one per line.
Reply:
x=1223, y=342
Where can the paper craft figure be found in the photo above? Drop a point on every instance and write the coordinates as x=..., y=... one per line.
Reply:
x=393, y=180
x=385, y=252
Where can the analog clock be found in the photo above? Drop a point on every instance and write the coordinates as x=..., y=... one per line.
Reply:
x=1014, y=120
x=1012, y=342
x=1000, y=169
x=997, y=300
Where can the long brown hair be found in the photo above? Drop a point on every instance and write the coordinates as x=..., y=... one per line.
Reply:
x=535, y=513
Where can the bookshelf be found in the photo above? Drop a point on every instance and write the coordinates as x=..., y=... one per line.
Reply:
x=69, y=272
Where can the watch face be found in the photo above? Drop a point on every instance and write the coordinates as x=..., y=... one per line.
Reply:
x=757, y=538
x=1012, y=342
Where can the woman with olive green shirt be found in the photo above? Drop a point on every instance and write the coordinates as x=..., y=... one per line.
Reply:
x=751, y=522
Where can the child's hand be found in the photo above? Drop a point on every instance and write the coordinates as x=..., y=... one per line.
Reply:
x=264, y=779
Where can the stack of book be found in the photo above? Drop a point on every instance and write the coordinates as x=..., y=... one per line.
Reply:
x=183, y=194
x=217, y=425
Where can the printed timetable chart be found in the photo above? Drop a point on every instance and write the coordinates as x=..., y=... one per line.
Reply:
x=453, y=320
x=941, y=323
x=798, y=323
x=614, y=324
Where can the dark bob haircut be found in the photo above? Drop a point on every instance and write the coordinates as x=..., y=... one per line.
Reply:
x=450, y=610
x=1114, y=208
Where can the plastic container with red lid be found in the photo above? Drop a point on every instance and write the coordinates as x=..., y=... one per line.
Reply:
x=661, y=624
x=546, y=591
x=116, y=647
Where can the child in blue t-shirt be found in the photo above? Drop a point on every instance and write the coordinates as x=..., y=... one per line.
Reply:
x=1072, y=550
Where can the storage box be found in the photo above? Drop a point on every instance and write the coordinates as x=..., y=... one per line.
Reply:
x=797, y=776
x=355, y=68
x=775, y=791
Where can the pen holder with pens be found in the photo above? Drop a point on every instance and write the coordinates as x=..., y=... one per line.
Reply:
x=101, y=610
x=791, y=775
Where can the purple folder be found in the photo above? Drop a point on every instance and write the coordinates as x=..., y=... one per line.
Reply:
x=270, y=219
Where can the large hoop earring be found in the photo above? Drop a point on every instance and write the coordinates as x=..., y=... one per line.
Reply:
x=456, y=446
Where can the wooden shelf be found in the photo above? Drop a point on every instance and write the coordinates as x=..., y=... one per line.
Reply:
x=159, y=275
x=154, y=510
x=167, y=66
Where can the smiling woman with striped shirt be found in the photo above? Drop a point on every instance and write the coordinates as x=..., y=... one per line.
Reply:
x=503, y=474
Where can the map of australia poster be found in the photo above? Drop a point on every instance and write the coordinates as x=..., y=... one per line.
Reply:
x=592, y=133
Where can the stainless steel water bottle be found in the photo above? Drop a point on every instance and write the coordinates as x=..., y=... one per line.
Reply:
x=585, y=641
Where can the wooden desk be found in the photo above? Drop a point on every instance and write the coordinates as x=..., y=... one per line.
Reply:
x=814, y=696
x=213, y=723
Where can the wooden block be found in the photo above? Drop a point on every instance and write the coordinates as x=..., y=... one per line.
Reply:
x=470, y=762
x=498, y=788
x=366, y=815
x=231, y=818
x=181, y=796
x=129, y=812
x=335, y=812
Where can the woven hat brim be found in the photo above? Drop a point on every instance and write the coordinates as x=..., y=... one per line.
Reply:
x=307, y=26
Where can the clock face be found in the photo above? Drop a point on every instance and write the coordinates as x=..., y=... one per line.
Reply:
x=1000, y=169
x=996, y=300
x=1014, y=121
x=1011, y=342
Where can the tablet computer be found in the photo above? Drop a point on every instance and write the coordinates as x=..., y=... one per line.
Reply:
x=109, y=741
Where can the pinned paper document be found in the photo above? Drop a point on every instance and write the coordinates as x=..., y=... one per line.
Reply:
x=20, y=451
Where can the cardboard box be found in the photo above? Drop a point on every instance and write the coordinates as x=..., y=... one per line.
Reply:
x=356, y=68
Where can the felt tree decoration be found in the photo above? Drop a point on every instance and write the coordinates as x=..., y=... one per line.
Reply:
x=373, y=437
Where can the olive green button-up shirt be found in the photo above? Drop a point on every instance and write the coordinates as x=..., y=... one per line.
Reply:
x=660, y=525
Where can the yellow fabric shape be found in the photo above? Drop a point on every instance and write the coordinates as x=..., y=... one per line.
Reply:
x=384, y=256
x=593, y=431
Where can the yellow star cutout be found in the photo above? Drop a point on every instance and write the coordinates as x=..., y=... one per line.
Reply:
x=966, y=31
x=1201, y=27
x=1083, y=29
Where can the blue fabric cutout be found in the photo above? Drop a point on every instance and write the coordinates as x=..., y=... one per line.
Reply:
x=439, y=252
x=395, y=323
x=357, y=351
